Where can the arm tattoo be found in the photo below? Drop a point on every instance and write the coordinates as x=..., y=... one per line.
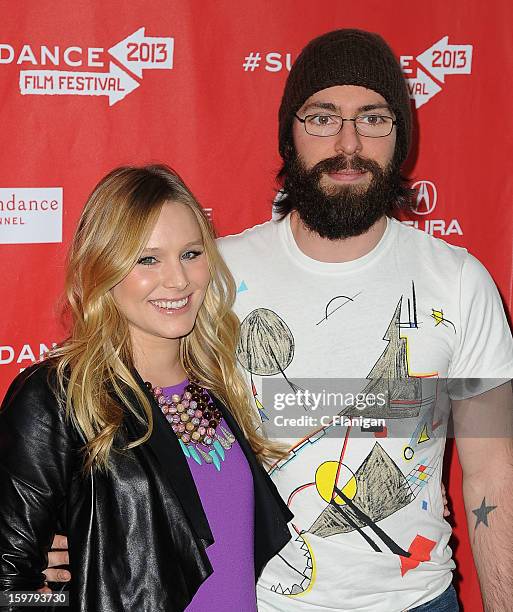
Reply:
x=482, y=513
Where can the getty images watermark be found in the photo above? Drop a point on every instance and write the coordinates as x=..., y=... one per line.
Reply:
x=422, y=409
x=312, y=401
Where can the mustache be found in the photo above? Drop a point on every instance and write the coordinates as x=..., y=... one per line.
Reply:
x=342, y=162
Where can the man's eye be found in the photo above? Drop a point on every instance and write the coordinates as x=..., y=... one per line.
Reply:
x=372, y=119
x=191, y=254
x=320, y=120
x=148, y=260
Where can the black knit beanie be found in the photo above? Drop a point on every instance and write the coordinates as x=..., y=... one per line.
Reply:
x=347, y=57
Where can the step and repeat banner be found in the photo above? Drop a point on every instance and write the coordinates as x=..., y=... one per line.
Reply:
x=87, y=85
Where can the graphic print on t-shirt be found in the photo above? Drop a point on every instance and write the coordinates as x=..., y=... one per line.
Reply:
x=266, y=348
x=377, y=488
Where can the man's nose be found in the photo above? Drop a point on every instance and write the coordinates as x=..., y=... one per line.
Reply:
x=348, y=141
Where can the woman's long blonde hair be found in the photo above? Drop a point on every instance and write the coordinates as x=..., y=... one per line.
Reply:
x=95, y=364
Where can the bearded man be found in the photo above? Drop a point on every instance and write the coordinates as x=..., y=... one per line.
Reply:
x=335, y=290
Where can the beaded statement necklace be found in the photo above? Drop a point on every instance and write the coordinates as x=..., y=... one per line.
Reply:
x=196, y=422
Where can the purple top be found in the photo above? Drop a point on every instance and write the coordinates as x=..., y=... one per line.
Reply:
x=228, y=500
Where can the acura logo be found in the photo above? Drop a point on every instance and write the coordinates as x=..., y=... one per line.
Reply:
x=426, y=197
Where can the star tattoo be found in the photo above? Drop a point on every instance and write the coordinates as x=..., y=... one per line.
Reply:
x=482, y=513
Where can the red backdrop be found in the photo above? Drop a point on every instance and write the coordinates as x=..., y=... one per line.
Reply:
x=89, y=85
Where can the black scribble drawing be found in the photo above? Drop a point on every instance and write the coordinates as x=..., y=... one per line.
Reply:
x=438, y=316
x=390, y=376
x=266, y=345
x=412, y=322
x=381, y=490
x=328, y=312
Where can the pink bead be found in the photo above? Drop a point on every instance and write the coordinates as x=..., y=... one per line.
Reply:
x=174, y=428
x=157, y=391
x=165, y=409
x=204, y=422
x=161, y=400
x=176, y=418
x=202, y=430
x=169, y=418
x=198, y=414
x=185, y=403
x=187, y=395
x=193, y=404
x=211, y=432
x=185, y=438
x=172, y=409
x=180, y=427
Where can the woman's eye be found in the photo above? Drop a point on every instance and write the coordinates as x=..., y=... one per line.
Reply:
x=148, y=260
x=191, y=254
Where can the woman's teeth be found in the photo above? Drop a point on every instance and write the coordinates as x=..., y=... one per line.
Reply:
x=171, y=304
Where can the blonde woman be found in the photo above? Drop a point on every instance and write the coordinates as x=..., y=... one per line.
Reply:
x=136, y=434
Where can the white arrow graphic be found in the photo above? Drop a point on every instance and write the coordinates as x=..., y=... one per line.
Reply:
x=116, y=84
x=422, y=88
x=443, y=58
x=138, y=52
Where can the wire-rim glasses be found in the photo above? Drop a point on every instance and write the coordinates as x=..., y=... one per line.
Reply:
x=370, y=125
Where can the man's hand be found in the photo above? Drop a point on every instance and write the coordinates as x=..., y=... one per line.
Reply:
x=447, y=512
x=57, y=556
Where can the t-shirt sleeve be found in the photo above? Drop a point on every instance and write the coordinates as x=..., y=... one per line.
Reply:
x=484, y=346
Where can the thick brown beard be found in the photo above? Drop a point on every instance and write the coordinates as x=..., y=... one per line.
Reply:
x=345, y=211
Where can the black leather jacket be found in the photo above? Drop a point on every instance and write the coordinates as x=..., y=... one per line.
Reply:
x=137, y=534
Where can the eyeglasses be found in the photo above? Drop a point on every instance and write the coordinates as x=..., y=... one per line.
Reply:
x=369, y=125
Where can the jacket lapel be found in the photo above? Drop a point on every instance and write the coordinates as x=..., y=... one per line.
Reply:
x=166, y=448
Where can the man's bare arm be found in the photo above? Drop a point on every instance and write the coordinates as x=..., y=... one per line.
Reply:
x=484, y=437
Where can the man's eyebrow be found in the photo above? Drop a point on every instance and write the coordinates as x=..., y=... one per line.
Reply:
x=324, y=105
x=333, y=107
x=369, y=107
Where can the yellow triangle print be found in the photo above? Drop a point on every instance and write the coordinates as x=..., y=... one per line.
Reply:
x=423, y=435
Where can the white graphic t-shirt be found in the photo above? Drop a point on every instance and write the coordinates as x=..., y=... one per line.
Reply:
x=368, y=532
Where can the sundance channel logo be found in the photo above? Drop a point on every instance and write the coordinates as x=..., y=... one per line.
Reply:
x=30, y=215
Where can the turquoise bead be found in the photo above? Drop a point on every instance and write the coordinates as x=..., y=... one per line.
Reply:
x=194, y=455
x=184, y=449
x=219, y=449
x=215, y=459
